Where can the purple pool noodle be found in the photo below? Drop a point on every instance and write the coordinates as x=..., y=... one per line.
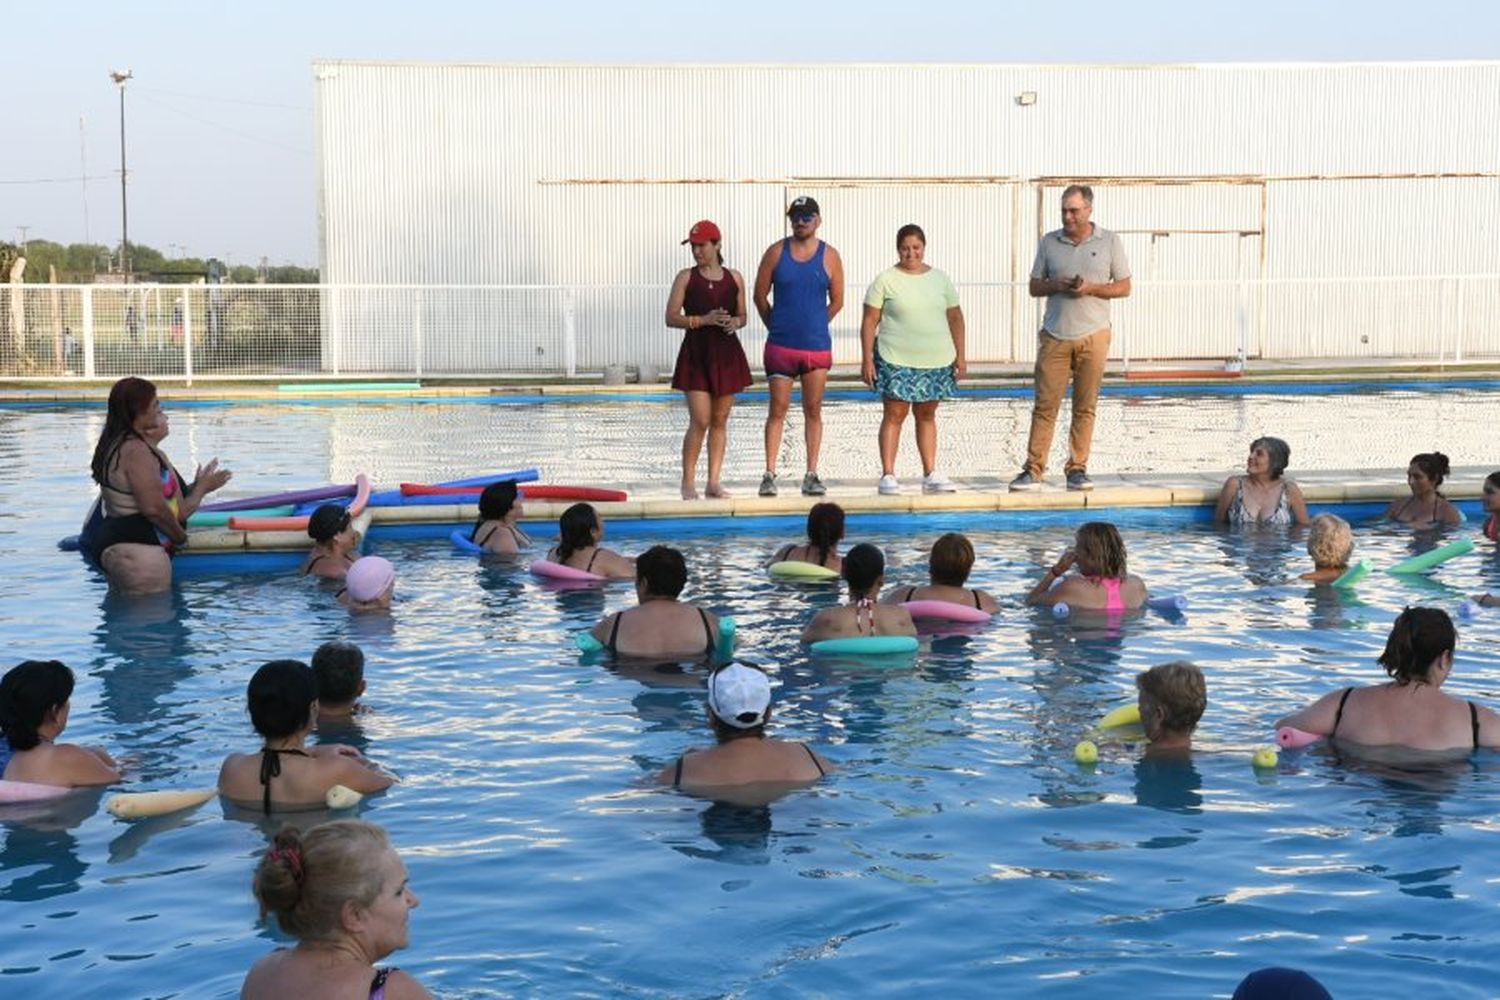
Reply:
x=277, y=499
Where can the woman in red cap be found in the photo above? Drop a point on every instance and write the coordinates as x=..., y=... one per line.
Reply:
x=707, y=301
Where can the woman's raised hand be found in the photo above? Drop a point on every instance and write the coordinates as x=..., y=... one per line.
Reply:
x=210, y=477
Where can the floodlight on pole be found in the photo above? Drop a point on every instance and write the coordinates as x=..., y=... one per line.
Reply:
x=119, y=78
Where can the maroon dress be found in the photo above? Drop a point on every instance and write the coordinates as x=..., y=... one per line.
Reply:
x=711, y=359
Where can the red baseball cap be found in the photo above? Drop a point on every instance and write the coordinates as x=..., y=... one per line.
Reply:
x=704, y=231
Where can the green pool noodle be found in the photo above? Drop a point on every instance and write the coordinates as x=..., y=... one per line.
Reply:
x=1354, y=574
x=1427, y=560
x=220, y=518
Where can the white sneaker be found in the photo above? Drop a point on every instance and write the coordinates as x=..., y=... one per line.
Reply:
x=889, y=486
x=936, y=482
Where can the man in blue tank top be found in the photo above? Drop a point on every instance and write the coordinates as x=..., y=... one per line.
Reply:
x=799, y=289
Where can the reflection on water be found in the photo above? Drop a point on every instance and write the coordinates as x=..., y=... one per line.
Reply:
x=546, y=868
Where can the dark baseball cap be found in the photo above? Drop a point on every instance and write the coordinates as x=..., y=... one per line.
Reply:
x=804, y=205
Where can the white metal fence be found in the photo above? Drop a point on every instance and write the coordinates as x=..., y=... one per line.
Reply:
x=320, y=331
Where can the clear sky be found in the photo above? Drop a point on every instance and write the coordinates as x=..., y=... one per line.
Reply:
x=220, y=120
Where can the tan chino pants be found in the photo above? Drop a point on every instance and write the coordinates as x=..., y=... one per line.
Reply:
x=1057, y=361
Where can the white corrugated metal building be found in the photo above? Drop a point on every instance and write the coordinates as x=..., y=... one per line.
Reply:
x=1301, y=210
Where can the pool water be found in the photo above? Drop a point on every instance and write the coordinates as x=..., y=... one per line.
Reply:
x=958, y=847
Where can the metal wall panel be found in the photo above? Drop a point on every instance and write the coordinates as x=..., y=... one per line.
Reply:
x=510, y=175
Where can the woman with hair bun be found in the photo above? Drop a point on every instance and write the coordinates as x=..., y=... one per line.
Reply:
x=1426, y=507
x=1411, y=709
x=34, y=700
x=342, y=891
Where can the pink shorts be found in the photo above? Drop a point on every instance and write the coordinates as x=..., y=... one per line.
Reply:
x=790, y=362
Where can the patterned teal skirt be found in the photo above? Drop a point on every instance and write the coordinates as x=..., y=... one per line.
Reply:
x=913, y=385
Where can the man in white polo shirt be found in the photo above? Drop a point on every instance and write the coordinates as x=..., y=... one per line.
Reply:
x=1078, y=269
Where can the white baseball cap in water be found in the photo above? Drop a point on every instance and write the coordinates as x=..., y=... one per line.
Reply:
x=739, y=695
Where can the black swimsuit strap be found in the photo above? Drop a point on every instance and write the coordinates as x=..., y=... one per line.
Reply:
x=1339, y=715
x=708, y=633
x=313, y=563
x=480, y=541
x=814, y=757
x=677, y=775
x=976, y=600
x=590, y=567
x=909, y=592
x=1474, y=723
x=270, y=767
x=614, y=630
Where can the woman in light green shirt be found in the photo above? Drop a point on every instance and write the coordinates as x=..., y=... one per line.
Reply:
x=918, y=357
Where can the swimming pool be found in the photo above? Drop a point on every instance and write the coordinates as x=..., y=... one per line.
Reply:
x=959, y=848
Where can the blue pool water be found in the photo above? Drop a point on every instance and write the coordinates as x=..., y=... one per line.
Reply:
x=958, y=848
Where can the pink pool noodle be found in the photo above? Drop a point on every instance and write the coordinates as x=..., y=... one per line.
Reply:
x=1291, y=739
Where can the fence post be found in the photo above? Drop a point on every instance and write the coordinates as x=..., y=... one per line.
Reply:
x=570, y=335
x=336, y=328
x=187, y=335
x=88, y=331
x=1458, y=321
x=417, y=325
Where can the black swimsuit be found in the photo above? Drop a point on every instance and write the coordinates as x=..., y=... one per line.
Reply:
x=514, y=535
x=1339, y=717
x=912, y=590
x=708, y=632
x=270, y=767
x=677, y=775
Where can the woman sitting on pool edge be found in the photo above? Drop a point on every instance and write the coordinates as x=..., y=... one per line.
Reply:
x=739, y=706
x=496, y=530
x=283, y=700
x=864, y=572
x=1330, y=542
x=1411, y=709
x=948, y=568
x=35, y=698
x=661, y=626
x=1261, y=496
x=1102, y=582
x=335, y=543
x=1426, y=507
x=579, y=530
x=825, y=529
x=344, y=894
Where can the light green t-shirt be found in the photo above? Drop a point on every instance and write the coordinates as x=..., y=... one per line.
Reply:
x=914, y=317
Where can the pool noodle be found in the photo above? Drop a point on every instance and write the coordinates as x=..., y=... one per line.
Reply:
x=1427, y=560
x=220, y=518
x=1354, y=574
x=1122, y=715
x=139, y=805
x=461, y=541
x=867, y=645
x=393, y=498
x=356, y=507
x=557, y=571
x=530, y=492
x=277, y=499
x=1168, y=604
x=29, y=791
x=946, y=611
x=1291, y=739
x=796, y=569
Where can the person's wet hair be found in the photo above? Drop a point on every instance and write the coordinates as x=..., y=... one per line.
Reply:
x=1434, y=465
x=128, y=399
x=1277, y=450
x=327, y=522
x=497, y=500
x=662, y=569
x=1418, y=637
x=1179, y=690
x=1100, y=545
x=864, y=565
x=825, y=529
x=951, y=560
x=28, y=692
x=575, y=530
x=1330, y=541
x=281, y=694
x=338, y=667
x=308, y=879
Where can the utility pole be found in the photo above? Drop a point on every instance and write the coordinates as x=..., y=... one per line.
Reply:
x=25, y=250
x=120, y=79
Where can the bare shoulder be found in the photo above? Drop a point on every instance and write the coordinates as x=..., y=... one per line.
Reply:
x=402, y=986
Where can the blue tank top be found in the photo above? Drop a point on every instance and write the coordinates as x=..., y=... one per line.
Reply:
x=799, y=301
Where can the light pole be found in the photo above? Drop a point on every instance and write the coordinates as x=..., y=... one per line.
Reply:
x=22, y=230
x=120, y=79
